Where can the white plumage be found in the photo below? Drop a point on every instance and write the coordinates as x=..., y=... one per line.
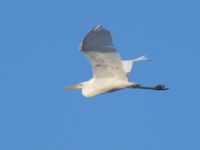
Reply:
x=104, y=58
x=109, y=72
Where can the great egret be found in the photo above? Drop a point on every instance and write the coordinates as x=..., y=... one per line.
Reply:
x=110, y=73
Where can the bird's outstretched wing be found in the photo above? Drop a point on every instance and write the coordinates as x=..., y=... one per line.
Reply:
x=103, y=56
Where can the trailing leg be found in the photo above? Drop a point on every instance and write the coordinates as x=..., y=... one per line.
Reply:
x=158, y=87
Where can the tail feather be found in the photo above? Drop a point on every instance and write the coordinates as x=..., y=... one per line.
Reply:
x=141, y=58
x=128, y=64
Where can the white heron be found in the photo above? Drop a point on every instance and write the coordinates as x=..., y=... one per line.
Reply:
x=110, y=73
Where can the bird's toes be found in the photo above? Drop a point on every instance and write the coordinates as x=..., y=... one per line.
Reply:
x=161, y=87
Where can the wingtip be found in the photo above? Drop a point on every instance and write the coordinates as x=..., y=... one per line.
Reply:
x=98, y=27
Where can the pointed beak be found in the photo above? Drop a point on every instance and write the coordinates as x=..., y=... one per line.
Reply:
x=71, y=87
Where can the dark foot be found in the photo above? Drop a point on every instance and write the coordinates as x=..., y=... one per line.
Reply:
x=157, y=87
x=160, y=87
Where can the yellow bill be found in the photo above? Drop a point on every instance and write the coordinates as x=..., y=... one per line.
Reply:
x=71, y=87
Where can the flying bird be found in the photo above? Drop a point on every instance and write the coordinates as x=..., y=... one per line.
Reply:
x=110, y=73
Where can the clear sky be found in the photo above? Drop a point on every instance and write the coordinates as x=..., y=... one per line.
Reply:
x=39, y=56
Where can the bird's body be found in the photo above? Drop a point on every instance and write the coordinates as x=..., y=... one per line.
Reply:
x=110, y=73
x=98, y=86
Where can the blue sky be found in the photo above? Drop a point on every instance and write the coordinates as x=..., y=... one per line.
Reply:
x=39, y=56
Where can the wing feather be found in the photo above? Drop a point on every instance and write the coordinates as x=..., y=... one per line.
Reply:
x=101, y=53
